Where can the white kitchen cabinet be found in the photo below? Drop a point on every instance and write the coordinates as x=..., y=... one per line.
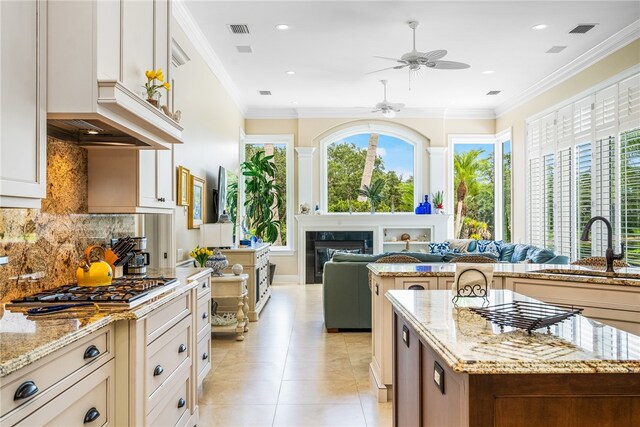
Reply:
x=23, y=89
x=98, y=54
x=131, y=181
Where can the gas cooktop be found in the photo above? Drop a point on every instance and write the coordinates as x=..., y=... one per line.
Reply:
x=125, y=292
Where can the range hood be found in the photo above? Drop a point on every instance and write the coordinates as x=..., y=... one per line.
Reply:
x=91, y=133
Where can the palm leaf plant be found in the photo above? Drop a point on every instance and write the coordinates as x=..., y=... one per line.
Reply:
x=373, y=192
x=263, y=196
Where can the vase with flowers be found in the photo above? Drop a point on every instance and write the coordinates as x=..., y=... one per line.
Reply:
x=438, y=201
x=155, y=81
x=201, y=255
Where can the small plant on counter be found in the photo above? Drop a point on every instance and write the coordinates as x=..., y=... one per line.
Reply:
x=438, y=199
x=201, y=255
x=152, y=88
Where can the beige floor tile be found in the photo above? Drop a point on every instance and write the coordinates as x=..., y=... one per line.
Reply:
x=236, y=415
x=340, y=370
x=319, y=415
x=234, y=392
x=375, y=413
x=318, y=392
x=249, y=371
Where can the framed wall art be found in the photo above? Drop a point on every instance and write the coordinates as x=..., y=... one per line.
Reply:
x=184, y=182
x=196, y=202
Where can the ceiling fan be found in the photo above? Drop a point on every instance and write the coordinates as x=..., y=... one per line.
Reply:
x=415, y=60
x=388, y=109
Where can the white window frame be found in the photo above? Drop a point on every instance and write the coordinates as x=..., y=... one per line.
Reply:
x=288, y=141
x=496, y=140
x=418, y=142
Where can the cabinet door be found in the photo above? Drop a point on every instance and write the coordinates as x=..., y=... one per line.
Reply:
x=137, y=42
x=406, y=373
x=165, y=177
x=147, y=178
x=22, y=107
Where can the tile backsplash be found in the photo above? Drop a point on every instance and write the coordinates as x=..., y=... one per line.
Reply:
x=48, y=242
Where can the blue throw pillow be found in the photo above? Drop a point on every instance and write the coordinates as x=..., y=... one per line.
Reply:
x=438, y=248
x=489, y=246
x=506, y=252
x=519, y=253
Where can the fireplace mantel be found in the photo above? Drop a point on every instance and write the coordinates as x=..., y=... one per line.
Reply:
x=440, y=226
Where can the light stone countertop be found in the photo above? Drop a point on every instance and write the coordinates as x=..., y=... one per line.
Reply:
x=468, y=343
x=557, y=272
x=25, y=339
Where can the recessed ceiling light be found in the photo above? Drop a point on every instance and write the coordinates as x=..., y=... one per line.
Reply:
x=488, y=72
x=294, y=102
x=282, y=27
x=539, y=27
x=291, y=73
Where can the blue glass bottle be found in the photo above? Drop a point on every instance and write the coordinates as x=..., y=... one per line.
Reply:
x=420, y=210
x=427, y=205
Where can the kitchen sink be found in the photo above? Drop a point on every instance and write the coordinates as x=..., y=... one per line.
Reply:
x=581, y=271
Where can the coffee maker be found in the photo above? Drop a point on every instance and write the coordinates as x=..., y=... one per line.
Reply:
x=138, y=258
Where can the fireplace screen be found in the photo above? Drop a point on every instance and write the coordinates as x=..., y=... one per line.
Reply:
x=323, y=244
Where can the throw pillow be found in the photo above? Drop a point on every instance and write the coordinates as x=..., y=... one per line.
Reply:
x=332, y=252
x=489, y=246
x=462, y=245
x=539, y=256
x=519, y=253
x=438, y=248
x=507, y=252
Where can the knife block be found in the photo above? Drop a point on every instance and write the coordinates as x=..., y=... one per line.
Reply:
x=117, y=271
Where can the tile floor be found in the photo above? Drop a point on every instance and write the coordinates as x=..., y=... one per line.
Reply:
x=290, y=372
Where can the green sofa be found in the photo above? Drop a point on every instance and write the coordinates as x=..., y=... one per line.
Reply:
x=347, y=297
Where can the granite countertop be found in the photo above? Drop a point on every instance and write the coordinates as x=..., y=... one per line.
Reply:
x=557, y=272
x=25, y=339
x=468, y=343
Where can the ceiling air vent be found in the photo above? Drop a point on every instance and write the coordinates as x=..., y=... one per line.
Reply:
x=238, y=28
x=493, y=92
x=264, y=92
x=582, y=28
x=556, y=49
x=244, y=49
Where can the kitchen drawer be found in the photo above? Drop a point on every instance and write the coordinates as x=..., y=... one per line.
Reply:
x=92, y=397
x=203, y=314
x=203, y=358
x=175, y=406
x=164, y=356
x=162, y=319
x=204, y=286
x=45, y=373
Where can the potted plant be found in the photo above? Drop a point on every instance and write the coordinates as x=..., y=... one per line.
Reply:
x=438, y=201
x=373, y=192
x=263, y=198
x=152, y=89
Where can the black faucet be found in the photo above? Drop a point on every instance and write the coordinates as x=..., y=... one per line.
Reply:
x=610, y=255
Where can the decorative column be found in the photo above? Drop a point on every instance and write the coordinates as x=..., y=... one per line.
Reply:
x=305, y=175
x=439, y=175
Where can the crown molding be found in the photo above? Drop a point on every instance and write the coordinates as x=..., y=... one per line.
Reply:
x=365, y=113
x=617, y=41
x=200, y=43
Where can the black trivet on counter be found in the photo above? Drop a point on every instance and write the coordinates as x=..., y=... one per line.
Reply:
x=526, y=315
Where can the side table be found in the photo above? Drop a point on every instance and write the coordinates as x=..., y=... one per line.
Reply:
x=232, y=286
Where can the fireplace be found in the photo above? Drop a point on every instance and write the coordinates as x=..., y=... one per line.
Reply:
x=320, y=246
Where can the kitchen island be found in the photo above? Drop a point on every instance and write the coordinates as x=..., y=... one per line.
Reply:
x=614, y=300
x=116, y=366
x=454, y=368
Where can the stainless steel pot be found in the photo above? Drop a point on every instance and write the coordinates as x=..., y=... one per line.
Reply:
x=141, y=243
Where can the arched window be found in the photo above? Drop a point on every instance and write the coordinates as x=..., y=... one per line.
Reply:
x=363, y=154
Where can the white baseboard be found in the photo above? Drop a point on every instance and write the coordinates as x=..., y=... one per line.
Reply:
x=286, y=279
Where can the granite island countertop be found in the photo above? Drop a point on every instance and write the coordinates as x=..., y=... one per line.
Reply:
x=25, y=339
x=557, y=272
x=470, y=344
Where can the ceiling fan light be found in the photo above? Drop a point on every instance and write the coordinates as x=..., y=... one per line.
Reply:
x=389, y=114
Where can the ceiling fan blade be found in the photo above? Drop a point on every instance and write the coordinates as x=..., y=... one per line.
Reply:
x=397, y=67
x=449, y=65
x=391, y=59
x=434, y=54
x=397, y=106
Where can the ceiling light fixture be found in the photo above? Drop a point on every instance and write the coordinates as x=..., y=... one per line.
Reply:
x=389, y=114
x=291, y=73
x=488, y=72
x=92, y=132
x=294, y=102
x=282, y=27
x=539, y=27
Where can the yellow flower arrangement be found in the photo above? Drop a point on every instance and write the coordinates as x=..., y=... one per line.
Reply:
x=201, y=255
x=151, y=87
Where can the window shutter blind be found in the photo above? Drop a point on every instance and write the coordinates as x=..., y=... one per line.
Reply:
x=582, y=118
x=629, y=103
x=605, y=109
x=583, y=195
x=564, y=229
x=604, y=189
x=564, y=126
x=534, y=172
x=548, y=198
x=630, y=194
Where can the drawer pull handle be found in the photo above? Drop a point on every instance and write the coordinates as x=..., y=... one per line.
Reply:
x=91, y=352
x=91, y=415
x=405, y=335
x=182, y=348
x=158, y=371
x=181, y=402
x=26, y=389
x=416, y=288
x=205, y=315
x=205, y=356
x=204, y=285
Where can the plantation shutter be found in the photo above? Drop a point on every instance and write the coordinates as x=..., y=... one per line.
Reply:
x=629, y=103
x=548, y=197
x=564, y=229
x=605, y=108
x=534, y=214
x=630, y=194
x=604, y=190
x=564, y=126
x=583, y=194
x=582, y=118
